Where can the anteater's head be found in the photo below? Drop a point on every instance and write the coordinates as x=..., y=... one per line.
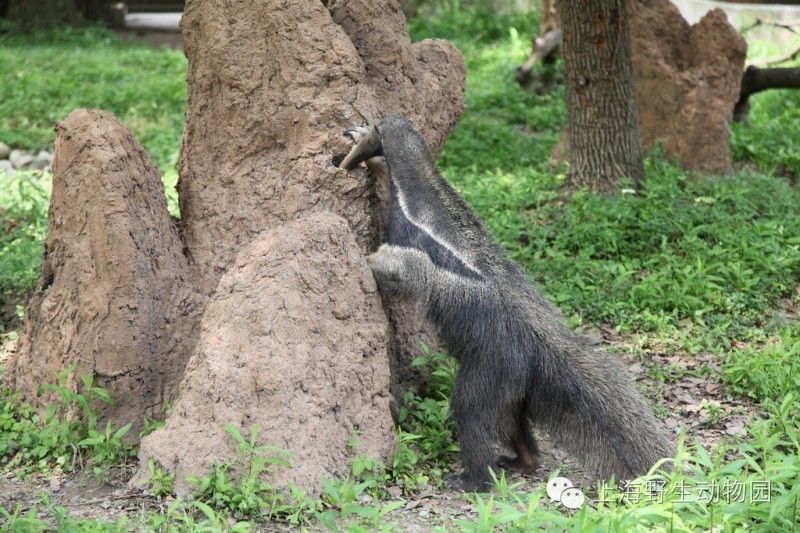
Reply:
x=392, y=133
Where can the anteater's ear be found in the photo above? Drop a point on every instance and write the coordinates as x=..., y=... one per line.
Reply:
x=368, y=145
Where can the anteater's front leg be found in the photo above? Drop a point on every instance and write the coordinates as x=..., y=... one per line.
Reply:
x=401, y=271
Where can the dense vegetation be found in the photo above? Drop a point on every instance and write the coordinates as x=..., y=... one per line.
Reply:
x=698, y=264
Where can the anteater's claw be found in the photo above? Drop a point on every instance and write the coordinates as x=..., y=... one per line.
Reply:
x=368, y=144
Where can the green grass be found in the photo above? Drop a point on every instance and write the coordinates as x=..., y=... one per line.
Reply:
x=47, y=76
x=722, y=252
x=770, y=139
x=768, y=370
x=23, y=224
x=703, y=264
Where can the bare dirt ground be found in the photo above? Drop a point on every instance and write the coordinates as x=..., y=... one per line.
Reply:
x=680, y=395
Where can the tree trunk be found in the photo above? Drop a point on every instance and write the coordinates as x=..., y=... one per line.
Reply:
x=604, y=142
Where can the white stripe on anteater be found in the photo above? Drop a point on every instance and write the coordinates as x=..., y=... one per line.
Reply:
x=401, y=200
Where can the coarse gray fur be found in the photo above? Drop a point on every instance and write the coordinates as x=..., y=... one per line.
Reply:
x=519, y=361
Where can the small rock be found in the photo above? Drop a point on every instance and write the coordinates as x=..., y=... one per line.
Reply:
x=20, y=159
x=7, y=167
x=42, y=161
x=734, y=429
x=4, y=150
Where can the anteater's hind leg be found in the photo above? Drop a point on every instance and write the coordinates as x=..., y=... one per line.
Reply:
x=482, y=414
x=524, y=445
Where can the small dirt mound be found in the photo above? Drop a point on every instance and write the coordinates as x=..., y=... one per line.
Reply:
x=293, y=341
x=111, y=297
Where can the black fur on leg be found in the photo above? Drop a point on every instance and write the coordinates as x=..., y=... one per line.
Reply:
x=524, y=445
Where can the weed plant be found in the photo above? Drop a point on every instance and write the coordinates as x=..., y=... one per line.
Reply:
x=65, y=435
x=426, y=430
x=250, y=495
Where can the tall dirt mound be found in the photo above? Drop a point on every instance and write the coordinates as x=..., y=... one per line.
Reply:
x=423, y=81
x=294, y=341
x=272, y=87
x=687, y=82
x=112, y=297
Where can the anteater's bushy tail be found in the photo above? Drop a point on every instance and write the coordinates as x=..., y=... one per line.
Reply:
x=601, y=418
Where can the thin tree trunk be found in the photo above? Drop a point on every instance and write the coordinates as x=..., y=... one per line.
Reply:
x=549, y=17
x=604, y=139
x=546, y=49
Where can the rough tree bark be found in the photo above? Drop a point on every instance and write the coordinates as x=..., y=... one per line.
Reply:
x=603, y=125
x=259, y=303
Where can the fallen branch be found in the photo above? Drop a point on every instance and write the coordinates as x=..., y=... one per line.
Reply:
x=545, y=49
x=757, y=79
x=777, y=60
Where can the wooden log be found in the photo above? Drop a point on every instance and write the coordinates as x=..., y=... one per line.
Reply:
x=757, y=79
x=546, y=50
